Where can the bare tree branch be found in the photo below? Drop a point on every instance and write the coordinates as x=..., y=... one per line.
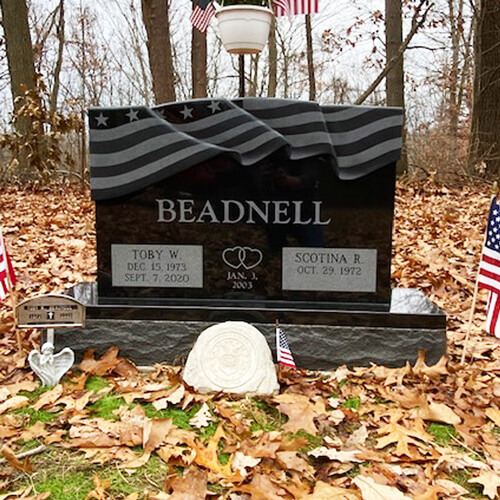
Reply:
x=416, y=24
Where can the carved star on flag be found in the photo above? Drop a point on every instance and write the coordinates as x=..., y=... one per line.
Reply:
x=214, y=106
x=187, y=112
x=132, y=114
x=102, y=120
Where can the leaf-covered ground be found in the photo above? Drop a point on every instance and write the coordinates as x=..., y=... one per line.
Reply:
x=109, y=431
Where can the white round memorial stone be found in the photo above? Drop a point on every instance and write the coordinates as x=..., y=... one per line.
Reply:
x=231, y=357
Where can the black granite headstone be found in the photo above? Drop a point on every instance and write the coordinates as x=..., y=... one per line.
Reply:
x=250, y=204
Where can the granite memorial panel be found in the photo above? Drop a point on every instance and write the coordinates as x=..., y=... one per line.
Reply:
x=255, y=203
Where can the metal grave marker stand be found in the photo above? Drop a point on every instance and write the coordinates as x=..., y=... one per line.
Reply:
x=50, y=312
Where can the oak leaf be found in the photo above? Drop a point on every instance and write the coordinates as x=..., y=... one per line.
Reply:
x=202, y=418
x=323, y=491
x=396, y=433
x=370, y=490
x=10, y=456
x=494, y=415
x=357, y=438
x=103, y=455
x=176, y=455
x=241, y=462
x=262, y=488
x=136, y=462
x=300, y=412
x=265, y=447
x=191, y=486
x=14, y=403
x=37, y=430
x=438, y=412
x=339, y=456
x=207, y=456
x=490, y=481
x=450, y=488
x=155, y=432
x=433, y=372
x=291, y=461
x=49, y=397
x=99, y=492
x=106, y=364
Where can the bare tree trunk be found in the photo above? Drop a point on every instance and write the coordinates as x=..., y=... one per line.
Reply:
x=455, y=26
x=486, y=104
x=21, y=65
x=310, y=61
x=156, y=21
x=19, y=47
x=394, y=80
x=273, y=61
x=199, y=62
x=60, y=50
x=254, y=75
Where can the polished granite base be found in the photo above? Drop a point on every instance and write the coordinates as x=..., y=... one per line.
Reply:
x=320, y=339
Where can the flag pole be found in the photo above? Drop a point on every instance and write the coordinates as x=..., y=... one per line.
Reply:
x=277, y=339
x=14, y=302
x=471, y=316
x=474, y=300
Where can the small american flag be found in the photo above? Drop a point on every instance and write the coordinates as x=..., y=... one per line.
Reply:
x=281, y=7
x=283, y=352
x=295, y=7
x=203, y=11
x=7, y=275
x=489, y=268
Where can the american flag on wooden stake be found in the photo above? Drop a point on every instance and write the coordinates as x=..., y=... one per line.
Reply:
x=203, y=11
x=283, y=352
x=295, y=7
x=489, y=268
x=7, y=275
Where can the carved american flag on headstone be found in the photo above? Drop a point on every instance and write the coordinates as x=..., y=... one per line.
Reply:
x=132, y=148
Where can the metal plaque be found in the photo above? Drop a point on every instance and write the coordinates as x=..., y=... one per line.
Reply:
x=50, y=311
x=163, y=266
x=330, y=269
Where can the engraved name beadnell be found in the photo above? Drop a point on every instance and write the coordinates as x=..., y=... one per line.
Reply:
x=234, y=211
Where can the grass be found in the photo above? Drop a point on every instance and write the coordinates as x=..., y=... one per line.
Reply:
x=31, y=444
x=443, y=433
x=68, y=476
x=352, y=403
x=179, y=417
x=207, y=432
x=35, y=416
x=95, y=383
x=222, y=457
x=105, y=406
x=462, y=477
x=264, y=416
x=314, y=441
x=32, y=395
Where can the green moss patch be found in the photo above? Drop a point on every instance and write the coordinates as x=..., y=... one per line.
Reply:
x=443, y=433
x=95, y=383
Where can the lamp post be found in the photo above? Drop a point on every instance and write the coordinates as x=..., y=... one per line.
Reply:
x=241, y=70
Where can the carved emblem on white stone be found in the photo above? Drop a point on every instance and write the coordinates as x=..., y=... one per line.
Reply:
x=231, y=357
x=51, y=367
